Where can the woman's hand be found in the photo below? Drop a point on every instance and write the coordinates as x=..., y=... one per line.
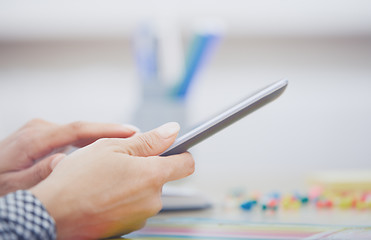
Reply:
x=24, y=159
x=113, y=185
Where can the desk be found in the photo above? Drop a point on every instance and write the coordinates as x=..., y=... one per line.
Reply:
x=217, y=223
x=227, y=219
x=305, y=215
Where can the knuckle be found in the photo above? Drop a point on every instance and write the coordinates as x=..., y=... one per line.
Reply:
x=147, y=142
x=158, y=181
x=153, y=204
x=190, y=164
x=35, y=121
x=186, y=166
x=35, y=124
x=138, y=225
x=76, y=126
x=144, y=145
x=41, y=173
x=154, y=177
x=155, y=180
x=156, y=206
x=73, y=129
x=25, y=140
x=32, y=132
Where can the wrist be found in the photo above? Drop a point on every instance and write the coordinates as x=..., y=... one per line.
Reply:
x=51, y=200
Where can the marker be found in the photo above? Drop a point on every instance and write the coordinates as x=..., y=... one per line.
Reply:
x=203, y=44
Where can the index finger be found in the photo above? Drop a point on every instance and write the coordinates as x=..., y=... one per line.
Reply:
x=81, y=134
x=78, y=134
x=177, y=166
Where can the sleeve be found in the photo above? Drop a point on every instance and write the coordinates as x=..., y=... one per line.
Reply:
x=23, y=216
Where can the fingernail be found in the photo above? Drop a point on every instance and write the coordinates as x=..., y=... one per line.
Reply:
x=131, y=127
x=168, y=129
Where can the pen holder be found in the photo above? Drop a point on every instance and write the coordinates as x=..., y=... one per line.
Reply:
x=157, y=106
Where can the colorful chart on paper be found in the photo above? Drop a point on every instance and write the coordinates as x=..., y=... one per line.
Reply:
x=190, y=228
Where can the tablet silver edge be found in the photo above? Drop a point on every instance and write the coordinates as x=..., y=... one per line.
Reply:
x=236, y=108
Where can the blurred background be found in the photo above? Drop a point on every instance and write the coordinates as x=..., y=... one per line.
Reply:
x=78, y=60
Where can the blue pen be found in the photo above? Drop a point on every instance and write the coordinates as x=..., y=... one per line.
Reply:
x=201, y=47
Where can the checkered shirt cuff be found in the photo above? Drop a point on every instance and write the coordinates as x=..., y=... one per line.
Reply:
x=22, y=216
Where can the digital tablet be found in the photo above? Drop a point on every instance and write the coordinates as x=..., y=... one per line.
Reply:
x=226, y=118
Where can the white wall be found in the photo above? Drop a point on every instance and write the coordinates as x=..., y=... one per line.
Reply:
x=92, y=18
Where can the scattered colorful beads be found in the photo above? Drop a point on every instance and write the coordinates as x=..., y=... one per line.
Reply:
x=316, y=197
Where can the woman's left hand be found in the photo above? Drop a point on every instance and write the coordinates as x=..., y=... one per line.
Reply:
x=26, y=156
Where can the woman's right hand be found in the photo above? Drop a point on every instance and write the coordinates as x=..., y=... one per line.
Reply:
x=113, y=185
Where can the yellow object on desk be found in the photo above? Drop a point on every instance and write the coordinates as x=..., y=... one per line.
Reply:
x=342, y=180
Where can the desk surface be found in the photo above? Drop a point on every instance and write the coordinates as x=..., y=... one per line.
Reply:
x=214, y=223
x=227, y=220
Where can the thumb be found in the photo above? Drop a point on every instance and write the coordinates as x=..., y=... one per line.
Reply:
x=152, y=143
x=38, y=172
